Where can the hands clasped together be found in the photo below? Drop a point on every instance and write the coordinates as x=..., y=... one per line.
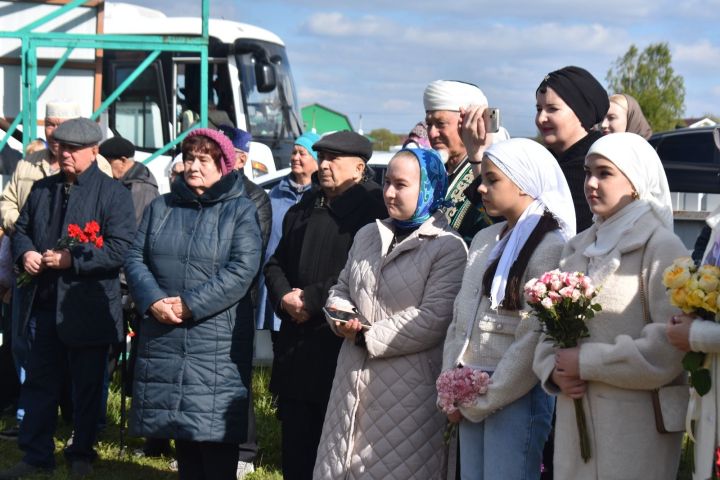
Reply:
x=35, y=262
x=170, y=311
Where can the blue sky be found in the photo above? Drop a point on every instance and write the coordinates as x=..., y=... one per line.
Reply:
x=374, y=58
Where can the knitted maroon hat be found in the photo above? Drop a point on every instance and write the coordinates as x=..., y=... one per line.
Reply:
x=227, y=163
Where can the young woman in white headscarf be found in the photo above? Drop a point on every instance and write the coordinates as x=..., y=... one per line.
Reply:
x=502, y=434
x=627, y=354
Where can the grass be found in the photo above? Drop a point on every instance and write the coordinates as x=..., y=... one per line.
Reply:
x=111, y=465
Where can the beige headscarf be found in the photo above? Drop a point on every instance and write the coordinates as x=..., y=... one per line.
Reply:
x=636, y=121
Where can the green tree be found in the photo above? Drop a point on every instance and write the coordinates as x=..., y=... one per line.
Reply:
x=383, y=139
x=649, y=77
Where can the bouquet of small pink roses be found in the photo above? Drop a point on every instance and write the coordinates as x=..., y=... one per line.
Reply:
x=459, y=387
x=563, y=302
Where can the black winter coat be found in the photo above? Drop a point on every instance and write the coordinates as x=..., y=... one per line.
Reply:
x=192, y=379
x=89, y=309
x=312, y=252
x=572, y=164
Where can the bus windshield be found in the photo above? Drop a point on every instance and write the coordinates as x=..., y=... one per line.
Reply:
x=271, y=116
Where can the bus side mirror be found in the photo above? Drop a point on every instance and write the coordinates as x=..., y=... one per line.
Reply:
x=265, y=76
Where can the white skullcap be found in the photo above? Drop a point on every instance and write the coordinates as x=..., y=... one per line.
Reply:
x=452, y=95
x=62, y=110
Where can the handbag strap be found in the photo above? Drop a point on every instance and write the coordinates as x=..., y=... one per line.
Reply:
x=643, y=298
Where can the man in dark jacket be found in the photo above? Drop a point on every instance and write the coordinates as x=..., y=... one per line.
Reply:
x=316, y=239
x=136, y=177
x=71, y=308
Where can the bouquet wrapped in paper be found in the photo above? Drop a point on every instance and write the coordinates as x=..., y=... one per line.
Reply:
x=563, y=302
x=459, y=387
x=694, y=290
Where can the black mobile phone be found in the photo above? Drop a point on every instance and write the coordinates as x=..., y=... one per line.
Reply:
x=345, y=316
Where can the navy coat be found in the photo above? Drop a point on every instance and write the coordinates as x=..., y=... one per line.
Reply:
x=192, y=379
x=89, y=309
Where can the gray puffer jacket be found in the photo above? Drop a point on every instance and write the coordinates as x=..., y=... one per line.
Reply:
x=192, y=380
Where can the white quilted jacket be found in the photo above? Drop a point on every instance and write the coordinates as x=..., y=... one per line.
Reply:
x=381, y=421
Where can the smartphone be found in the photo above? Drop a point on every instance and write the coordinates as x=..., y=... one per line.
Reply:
x=345, y=316
x=492, y=119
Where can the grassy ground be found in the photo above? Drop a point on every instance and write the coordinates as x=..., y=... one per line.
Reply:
x=114, y=466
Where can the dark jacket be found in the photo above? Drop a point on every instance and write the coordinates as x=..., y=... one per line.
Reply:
x=264, y=215
x=264, y=209
x=572, y=163
x=89, y=310
x=191, y=380
x=312, y=251
x=143, y=188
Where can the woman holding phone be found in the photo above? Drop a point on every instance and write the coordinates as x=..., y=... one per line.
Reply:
x=402, y=276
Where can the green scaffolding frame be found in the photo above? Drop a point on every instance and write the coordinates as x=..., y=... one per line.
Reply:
x=155, y=44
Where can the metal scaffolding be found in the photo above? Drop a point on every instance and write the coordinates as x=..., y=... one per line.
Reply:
x=31, y=40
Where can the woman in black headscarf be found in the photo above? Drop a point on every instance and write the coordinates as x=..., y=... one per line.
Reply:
x=570, y=102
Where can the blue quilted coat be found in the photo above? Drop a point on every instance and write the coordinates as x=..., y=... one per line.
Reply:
x=192, y=380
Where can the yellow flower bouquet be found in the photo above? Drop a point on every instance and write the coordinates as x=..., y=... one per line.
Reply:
x=694, y=290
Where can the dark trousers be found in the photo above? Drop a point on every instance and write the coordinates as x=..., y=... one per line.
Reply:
x=301, y=425
x=206, y=460
x=49, y=364
x=9, y=381
x=248, y=449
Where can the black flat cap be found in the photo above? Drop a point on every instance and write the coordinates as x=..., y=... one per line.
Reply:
x=78, y=132
x=345, y=143
x=117, y=147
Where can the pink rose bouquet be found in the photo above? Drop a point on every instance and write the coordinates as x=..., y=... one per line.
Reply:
x=459, y=387
x=563, y=302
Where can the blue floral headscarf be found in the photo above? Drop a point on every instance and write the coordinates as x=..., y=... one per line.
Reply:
x=433, y=187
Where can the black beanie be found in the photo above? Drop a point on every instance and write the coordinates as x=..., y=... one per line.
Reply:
x=581, y=91
x=117, y=147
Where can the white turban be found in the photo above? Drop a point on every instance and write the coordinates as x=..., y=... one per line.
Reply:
x=452, y=95
x=637, y=159
x=535, y=171
x=60, y=109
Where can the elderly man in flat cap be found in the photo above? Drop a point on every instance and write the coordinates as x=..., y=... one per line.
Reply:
x=37, y=165
x=316, y=238
x=71, y=306
x=456, y=129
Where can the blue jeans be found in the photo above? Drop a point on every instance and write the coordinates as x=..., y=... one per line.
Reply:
x=511, y=440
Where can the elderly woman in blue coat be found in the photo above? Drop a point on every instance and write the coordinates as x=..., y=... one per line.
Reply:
x=193, y=260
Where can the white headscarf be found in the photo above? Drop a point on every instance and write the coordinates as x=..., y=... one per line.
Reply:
x=637, y=159
x=452, y=95
x=535, y=171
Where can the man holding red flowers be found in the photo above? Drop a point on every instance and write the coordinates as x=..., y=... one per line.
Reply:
x=71, y=311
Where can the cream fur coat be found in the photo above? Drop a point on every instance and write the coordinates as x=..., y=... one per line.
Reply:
x=622, y=360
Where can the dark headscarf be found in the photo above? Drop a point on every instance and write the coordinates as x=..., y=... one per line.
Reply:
x=581, y=91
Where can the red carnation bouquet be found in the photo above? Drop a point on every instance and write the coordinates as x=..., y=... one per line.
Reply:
x=75, y=236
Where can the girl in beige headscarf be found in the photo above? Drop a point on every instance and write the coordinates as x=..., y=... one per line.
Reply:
x=625, y=115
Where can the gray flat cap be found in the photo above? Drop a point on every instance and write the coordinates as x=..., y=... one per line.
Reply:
x=78, y=132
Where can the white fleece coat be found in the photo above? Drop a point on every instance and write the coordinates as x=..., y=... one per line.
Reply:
x=381, y=421
x=622, y=360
